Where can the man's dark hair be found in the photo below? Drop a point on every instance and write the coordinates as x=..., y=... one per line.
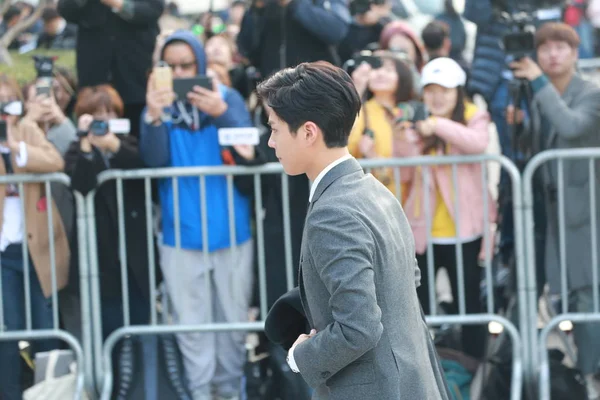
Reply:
x=434, y=34
x=13, y=11
x=316, y=92
x=557, y=32
x=49, y=14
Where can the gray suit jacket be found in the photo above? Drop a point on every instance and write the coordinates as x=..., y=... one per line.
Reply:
x=574, y=122
x=358, y=283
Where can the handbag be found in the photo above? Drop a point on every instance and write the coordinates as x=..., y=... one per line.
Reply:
x=55, y=388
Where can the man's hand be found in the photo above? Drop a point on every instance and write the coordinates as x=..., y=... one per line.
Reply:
x=375, y=13
x=526, y=68
x=303, y=338
x=157, y=100
x=116, y=4
x=208, y=101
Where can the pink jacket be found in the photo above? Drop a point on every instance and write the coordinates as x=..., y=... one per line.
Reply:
x=460, y=139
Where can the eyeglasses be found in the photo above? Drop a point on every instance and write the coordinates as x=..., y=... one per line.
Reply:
x=183, y=66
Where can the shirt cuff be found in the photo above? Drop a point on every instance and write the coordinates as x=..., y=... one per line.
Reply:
x=21, y=158
x=539, y=83
x=291, y=362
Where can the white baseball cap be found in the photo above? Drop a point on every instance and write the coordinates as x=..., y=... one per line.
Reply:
x=445, y=72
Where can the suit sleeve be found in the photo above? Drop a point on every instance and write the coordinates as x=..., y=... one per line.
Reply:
x=570, y=122
x=341, y=249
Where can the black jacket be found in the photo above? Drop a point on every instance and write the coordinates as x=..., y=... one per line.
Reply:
x=273, y=37
x=115, y=48
x=83, y=170
x=272, y=199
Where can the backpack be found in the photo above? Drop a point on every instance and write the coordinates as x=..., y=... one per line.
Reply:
x=458, y=378
x=149, y=368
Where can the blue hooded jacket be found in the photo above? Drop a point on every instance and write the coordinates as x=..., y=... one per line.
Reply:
x=173, y=144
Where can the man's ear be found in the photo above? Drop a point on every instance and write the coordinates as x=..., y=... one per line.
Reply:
x=311, y=132
x=447, y=44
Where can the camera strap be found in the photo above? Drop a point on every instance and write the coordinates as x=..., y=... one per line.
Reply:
x=192, y=120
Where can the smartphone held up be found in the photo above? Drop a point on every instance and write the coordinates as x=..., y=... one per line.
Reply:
x=164, y=80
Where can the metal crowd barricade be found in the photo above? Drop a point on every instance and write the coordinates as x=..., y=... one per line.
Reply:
x=521, y=357
x=103, y=364
x=592, y=156
x=30, y=333
x=104, y=375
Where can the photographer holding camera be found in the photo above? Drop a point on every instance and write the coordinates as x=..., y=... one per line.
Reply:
x=276, y=34
x=454, y=126
x=386, y=82
x=44, y=110
x=115, y=41
x=42, y=107
x=565, y=114
x=25, y=150
x=98, y=150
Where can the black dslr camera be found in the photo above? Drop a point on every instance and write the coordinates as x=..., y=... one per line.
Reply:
x=365, y=56
x=358, y=7
x=44, y=67
x=522, y=22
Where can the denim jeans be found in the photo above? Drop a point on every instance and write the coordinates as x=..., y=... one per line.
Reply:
x=13, y=301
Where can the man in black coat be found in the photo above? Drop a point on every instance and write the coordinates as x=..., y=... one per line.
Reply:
x=282, y=33
x=57, y=34
x=115, y=42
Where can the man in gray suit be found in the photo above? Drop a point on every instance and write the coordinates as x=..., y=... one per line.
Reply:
x=565, y=114
x=358, y=274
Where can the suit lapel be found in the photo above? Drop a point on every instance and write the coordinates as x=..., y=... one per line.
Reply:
x=301, y=288
x=344, y=168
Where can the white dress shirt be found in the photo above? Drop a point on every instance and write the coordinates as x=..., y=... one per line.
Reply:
x=313, y=188
x=12, y=226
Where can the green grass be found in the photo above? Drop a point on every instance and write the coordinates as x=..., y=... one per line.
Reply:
x=24, y=72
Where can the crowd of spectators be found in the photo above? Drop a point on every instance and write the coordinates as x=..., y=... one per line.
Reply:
x=397, y=65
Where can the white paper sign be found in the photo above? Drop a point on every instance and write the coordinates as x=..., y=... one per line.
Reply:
x=120, y=126
x=238, y=136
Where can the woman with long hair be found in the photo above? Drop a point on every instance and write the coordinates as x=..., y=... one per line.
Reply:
x=29, y=272
x=454, y=127
x=383, y=88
